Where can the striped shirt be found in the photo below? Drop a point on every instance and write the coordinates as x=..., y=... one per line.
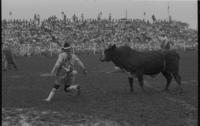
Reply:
x=66, y=61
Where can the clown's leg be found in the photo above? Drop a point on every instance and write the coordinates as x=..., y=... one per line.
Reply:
x=66, y=88
x=69, y=83
x=74, y=89
x=52, y=93
x=69, y=80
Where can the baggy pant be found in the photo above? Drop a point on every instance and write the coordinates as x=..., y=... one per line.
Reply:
x=66, y=79
x=8, y=63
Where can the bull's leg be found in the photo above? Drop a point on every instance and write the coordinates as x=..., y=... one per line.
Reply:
x=168, y=76
x=177, y=78
x=130, y=79
x=140, y=80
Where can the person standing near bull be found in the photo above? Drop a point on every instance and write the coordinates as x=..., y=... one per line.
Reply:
x=165, y=43
x=8, y=59
x=154, y=18
x=64, y=71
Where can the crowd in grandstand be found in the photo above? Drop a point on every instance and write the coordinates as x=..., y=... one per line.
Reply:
x=36, y=35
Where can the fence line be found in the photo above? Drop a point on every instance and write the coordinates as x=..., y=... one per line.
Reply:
x=28, y=49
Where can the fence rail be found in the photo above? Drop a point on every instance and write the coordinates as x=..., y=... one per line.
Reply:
x=30, y=50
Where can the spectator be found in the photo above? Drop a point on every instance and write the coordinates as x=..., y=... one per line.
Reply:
x=8, y=59
x=154, y=18
x=25, y=31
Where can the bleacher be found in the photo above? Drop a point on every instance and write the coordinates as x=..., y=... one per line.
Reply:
x=30, y=37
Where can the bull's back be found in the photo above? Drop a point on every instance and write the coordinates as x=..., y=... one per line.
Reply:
x=151, y=62
x=148, y=62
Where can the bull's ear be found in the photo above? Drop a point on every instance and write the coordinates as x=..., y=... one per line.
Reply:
x=114, y=46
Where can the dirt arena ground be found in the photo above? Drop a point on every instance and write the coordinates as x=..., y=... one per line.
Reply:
x=105, y=99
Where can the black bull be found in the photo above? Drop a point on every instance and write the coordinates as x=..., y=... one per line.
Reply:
x=148, y=62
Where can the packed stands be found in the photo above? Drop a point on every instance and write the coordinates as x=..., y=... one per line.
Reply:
x=43, y=37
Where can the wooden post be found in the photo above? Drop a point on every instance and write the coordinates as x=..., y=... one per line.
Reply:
x=51, y=49
x=28, y=49
x=132, y=45
x=73, y=48
x=24, y=49
x=20, y=50
x=184, y=45
x=39, y=51
x=94, y=48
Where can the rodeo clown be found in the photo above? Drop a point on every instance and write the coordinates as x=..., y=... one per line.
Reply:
x=64, y=71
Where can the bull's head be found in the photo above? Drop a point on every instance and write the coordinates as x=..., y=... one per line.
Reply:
x=107, y=53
